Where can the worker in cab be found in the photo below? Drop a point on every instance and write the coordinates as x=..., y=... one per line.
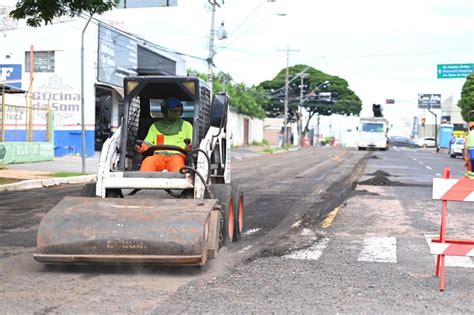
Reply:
x=469, y=151
x=169, y=130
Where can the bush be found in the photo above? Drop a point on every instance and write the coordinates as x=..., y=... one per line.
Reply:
x=263, y=143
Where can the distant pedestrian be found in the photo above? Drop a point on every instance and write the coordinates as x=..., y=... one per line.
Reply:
x=280, y=139
x=469, y=151
x=451, y=142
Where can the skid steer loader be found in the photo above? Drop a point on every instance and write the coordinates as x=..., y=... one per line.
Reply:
x=112, y=223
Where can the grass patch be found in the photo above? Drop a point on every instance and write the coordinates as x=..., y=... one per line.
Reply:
x=66, y=174
x=263, y=143
x=4, y=181
x=269, y=150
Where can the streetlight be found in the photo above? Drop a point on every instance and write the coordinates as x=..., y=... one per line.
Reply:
x=212, y=51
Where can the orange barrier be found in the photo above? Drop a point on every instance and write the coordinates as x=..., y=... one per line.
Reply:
x=448, y=189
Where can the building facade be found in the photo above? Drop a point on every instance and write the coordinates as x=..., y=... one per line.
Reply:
x=47, y=62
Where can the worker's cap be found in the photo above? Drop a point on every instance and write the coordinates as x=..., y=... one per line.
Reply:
x=173, y=102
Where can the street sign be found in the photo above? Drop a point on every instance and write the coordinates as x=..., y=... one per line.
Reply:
x=146, y=3
x=455, y=70
x=429, y=100
x=117, y=56
x=10, y=74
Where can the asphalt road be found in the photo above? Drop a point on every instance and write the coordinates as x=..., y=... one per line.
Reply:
x=287, y=261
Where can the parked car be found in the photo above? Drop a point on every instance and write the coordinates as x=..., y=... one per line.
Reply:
x=426, y=142
x=399, y=141
x=457, y=148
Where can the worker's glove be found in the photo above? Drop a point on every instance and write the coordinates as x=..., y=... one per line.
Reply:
x=189, y=155
x=140, y=147
x=189, y=146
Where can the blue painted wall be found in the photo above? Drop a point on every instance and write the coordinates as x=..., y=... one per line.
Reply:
x=66, y=142
x=21, y=136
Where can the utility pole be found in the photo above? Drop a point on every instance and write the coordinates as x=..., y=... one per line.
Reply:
x=210, y=59
x=83, y=119
x=285, y=108
x=29, y=107
x=300, y=111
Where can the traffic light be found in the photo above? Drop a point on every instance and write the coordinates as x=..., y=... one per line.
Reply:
x=377, y=110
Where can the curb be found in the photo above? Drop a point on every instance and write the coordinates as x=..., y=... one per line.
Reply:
x=47, y=182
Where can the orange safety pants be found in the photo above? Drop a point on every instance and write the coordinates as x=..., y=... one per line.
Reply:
x=158, y=163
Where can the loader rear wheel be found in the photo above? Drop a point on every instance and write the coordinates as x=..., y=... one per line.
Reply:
x=223, y=193
x=238, y=200
x=113, y=193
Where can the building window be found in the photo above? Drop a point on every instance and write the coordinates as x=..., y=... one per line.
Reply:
x=44, y=61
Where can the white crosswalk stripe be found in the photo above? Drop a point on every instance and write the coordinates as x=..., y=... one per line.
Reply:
x=374, y=249
x=379, y=249
x=311, y=253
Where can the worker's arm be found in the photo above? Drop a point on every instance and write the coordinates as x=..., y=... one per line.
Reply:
x=149, y=140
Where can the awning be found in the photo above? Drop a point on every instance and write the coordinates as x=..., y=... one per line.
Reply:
x=5, y=88
x=117, y=89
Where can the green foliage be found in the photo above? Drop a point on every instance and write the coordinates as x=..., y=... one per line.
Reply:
x=247, y=100
x=66, y=174
x=347, y=102
x=4, y=181
x=38, y=11
x=263, y=143
x=466, y=103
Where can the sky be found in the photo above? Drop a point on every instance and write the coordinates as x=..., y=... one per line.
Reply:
x=383, y=49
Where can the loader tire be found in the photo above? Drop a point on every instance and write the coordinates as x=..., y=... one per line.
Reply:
x=238, y=199
x=223, y=193
x=113, y=193
x=88, y=190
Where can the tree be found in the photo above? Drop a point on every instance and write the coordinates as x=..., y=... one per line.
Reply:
x=37, y=11
x=466, y=103
x=343, y=101
x=247, y=100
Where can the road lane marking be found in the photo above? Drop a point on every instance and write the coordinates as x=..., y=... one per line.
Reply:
x=330, y=218
x=252, y=231
x=243, y=250
x=438, y=174
x=379, y=249
x=451, y=261
x=310, y=253
x=307, y=232
x=297, y=224
x=420, y=162
x=428, y=167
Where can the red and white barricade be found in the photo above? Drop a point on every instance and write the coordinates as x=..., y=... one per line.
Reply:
x=450, y=189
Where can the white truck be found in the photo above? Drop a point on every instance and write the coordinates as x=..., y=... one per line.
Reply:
x=373, y=133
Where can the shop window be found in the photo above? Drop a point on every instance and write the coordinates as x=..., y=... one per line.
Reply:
x=44, y=61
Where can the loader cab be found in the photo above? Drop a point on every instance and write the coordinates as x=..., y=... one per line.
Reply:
x=143, y=98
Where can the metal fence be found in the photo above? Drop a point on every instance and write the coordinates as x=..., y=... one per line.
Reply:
x=25, y=124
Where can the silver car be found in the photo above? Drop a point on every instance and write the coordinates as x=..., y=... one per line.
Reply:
x=457, y=148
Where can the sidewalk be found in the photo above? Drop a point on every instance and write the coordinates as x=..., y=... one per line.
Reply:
x=42, y=174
